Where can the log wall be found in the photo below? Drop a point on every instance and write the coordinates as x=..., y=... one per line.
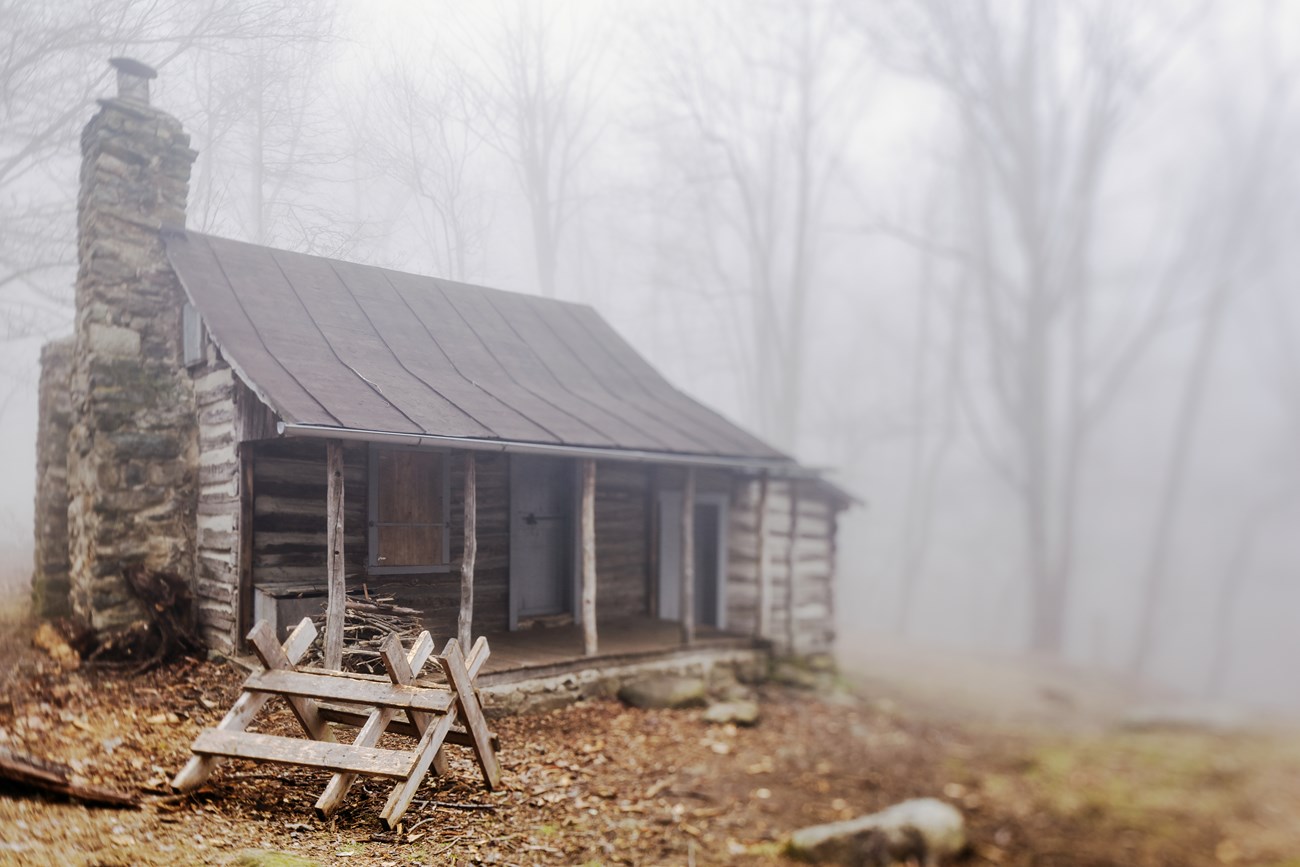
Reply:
x=801, y=566
x=229, y=417
x=622, y=543
x=289, y=545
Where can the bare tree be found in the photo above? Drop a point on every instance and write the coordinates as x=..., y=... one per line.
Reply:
x=52, y=70
x=1242, y=208
x=757, y=102
x=1040, y=91
x=933, y=407
x=429, y=117
x=538, y=77
x=269, y=138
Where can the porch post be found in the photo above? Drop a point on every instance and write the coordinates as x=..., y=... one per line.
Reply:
x=336, y=605
x=588, y=522
x=464, y=626
x=244, y=621
x=763, y=620
x=792, y=565
x=688, y=557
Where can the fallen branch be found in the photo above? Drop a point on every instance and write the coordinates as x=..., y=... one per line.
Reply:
x=54, y=778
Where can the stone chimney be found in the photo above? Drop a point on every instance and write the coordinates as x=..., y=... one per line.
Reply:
x=132, y=466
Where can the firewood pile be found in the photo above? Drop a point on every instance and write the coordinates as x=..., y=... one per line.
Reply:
x=368, y=622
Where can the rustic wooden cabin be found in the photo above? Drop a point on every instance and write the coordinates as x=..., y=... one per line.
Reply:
x=269, y=424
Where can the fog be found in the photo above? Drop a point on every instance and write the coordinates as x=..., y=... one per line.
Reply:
x=1021, y=275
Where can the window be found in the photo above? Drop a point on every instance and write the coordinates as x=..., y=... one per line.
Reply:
x=191, y=335
x=409, y=494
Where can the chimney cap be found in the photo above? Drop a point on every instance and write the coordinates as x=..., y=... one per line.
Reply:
x=131, y=66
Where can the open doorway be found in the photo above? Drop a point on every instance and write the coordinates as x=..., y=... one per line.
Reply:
x=711, y=515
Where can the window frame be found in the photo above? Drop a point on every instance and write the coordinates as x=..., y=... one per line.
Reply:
x=374, y=567
x=192, y=333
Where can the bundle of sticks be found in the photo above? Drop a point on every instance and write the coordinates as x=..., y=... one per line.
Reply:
x=368, y=622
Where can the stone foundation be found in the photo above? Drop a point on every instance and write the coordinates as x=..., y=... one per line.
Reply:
x=517, y=692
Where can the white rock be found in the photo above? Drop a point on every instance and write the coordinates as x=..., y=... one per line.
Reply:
x=925, y=829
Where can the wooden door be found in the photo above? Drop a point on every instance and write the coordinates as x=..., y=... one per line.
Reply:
x=541, y=537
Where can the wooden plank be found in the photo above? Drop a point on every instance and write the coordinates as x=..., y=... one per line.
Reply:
x=344, y=689
x=763, y=622
x=378, y=720
x=46, y=776
x=587, y=520
x=297, y=751
x=199, y=768
x=465, y=622
x=453, y=665
x=425, y=751
x=274, y=658
x=400, y=672
x=335, y=606
x=400, y=725
x=688, y=558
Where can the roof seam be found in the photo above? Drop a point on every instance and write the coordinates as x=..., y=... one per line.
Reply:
x=560, y=380
x=505, y=368
x=348, y=289
x=262, y=340
x=376, y=389
x=666, y=421
x=710, y=418
x=452, y=362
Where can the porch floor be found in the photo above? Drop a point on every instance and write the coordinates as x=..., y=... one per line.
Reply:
x=547, y=650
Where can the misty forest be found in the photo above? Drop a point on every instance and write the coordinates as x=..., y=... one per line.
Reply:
x=1019, y=275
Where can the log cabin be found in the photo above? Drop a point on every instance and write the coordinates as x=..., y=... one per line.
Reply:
x=279, y=427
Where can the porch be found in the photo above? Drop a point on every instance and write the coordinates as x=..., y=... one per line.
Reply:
x=551, y=651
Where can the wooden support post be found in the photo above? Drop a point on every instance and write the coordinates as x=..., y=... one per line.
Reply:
x=588, y=523
x=792, y=567
x=652, y=541
x=688, y=557
x=244, y=621
x=763, y=620
x=465, y=624
x=336, y=605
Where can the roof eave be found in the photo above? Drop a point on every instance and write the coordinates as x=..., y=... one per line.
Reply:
x=783, y=467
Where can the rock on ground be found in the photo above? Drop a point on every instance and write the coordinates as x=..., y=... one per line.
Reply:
x=742, y=713
x=926, y=830
x=664, y=692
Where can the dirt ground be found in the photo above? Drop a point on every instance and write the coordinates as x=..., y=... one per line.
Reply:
x=598, y=783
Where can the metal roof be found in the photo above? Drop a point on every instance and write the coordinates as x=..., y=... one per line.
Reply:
x=332, y=344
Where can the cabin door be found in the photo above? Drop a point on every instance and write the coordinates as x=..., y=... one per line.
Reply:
x=710, y=557
x=541, y=537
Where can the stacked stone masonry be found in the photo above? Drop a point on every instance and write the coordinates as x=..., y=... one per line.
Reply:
x=132, y=447
x=50, y=578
